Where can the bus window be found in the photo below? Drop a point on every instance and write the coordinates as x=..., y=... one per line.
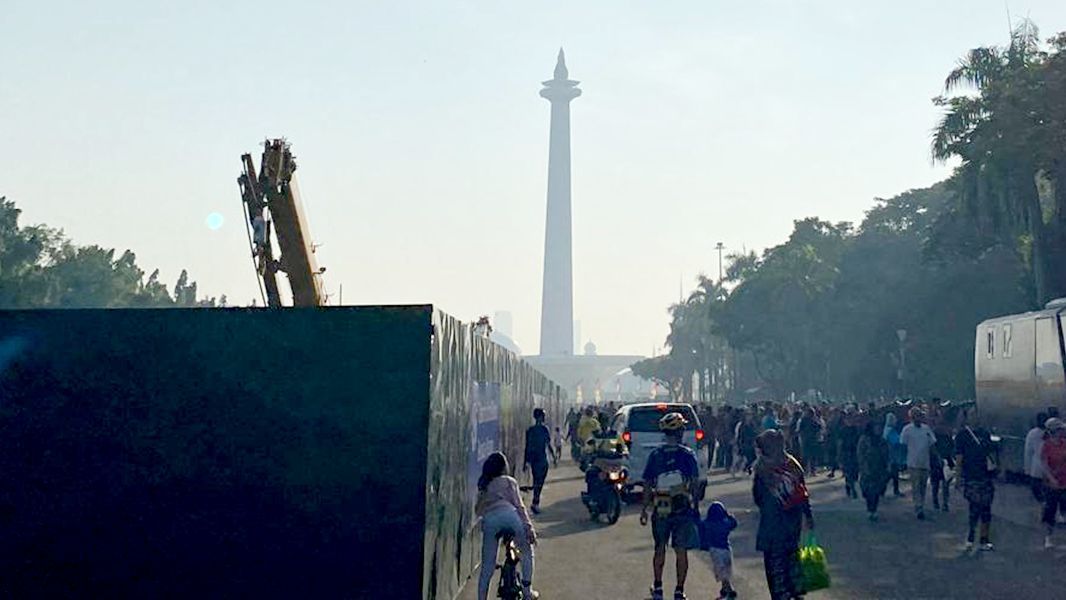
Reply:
x=1049, y=374
x=990, y=344
x=1008, y=342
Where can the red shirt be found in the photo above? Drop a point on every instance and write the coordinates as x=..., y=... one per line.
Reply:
x=1054, y=455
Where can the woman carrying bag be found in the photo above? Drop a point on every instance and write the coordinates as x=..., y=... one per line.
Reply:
x=780, y=492
x=976, y=469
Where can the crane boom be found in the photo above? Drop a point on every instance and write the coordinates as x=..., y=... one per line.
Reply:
x=273, y=203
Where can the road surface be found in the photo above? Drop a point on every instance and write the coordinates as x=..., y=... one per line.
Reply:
x=898, y=557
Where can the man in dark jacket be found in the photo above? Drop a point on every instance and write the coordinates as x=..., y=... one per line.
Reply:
x=538, y=449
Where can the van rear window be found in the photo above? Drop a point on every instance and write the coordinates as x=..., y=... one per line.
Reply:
x=647, y=419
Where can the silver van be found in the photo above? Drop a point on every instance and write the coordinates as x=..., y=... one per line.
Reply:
x=638, y=425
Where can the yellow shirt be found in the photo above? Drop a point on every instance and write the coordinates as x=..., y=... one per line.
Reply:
x=586, y=427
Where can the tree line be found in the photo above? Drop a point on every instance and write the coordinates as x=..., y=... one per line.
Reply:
x=41, y=268
x=888, y=307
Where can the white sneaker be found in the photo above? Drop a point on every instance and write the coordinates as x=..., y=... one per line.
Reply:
x=1047, y=543
x=969, y=546
x=987, y=547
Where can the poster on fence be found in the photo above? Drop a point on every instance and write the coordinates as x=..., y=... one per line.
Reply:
x=484, y=428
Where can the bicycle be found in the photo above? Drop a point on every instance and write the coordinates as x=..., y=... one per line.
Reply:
x=510, y=587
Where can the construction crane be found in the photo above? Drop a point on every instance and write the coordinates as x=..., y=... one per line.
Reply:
x=272, y=200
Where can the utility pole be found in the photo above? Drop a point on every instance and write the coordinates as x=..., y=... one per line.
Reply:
x=719, y=247
x=902, y=335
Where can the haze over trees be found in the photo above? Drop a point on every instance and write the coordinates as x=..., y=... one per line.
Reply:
x=41, y=268
x=821, y=311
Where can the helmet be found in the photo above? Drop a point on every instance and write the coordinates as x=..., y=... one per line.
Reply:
x=672, y=422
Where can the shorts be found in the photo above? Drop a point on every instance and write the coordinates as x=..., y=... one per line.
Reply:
x=979, y=492
x=722, y=562
x=678, y=530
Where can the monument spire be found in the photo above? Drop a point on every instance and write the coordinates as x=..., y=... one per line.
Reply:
x=560, y=66
x=557, y=295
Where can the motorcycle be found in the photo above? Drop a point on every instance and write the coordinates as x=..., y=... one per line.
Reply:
x=605, y=482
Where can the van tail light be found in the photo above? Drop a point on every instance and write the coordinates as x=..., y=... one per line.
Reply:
x=627, y=437
x=699, y=435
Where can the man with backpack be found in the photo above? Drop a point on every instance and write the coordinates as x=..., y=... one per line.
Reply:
x=670, y=476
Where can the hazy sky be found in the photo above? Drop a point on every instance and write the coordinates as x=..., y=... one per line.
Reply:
x=422, y=142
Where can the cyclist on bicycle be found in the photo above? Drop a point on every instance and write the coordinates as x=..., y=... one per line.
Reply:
x=500, y=507
x=669, y=478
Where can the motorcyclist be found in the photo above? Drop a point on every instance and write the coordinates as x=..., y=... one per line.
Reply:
x=587, y=426
x=669, y=480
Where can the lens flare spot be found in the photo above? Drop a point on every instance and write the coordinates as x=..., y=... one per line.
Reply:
x=215, y=221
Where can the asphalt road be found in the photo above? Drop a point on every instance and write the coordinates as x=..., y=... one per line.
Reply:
x=898, y=557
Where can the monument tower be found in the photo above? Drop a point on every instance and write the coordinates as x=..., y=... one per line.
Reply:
x=557, y=299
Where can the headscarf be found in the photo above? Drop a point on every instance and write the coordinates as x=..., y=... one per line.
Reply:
x=779, y=471
x=771, y=445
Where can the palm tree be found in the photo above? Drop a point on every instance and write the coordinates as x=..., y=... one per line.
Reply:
x=1003, y=137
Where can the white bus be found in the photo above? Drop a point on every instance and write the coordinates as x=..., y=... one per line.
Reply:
x=1018, y=366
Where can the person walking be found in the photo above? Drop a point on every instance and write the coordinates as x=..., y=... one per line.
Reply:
x=897, y=453
x=1032, y=457
x=727, y=426
x=714, y=538
x=500, y=507
x=874, y=466
x=835, y=423
x=745, y=436
x=557, y=443
x=1053, y=460
x=919, y=439
x=780, y=493
x=848, y=451
x=710, y=426
x=538, y=449
x=941, y=456
x=769, y=420
x=670, y=474
x=809, y=430
x=976, y=471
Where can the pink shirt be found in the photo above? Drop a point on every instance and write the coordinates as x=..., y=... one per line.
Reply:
x=1054, y=456
x=502, y=492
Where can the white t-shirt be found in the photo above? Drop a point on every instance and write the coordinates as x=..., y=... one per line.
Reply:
x=918, y=440
x=1034, y=442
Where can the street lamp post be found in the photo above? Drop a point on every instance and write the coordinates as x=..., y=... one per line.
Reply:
x=902, y=335
x=719, y=247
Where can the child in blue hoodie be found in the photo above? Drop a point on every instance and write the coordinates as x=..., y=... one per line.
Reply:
x=714, y=538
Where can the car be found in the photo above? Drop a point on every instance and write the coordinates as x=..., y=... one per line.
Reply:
x=638, y=425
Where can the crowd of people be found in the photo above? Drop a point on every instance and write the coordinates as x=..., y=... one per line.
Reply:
x=936, y=444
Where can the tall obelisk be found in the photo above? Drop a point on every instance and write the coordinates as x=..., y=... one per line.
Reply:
x=557, y=300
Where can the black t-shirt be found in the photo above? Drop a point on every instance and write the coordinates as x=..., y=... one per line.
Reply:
x=974, y=448
x=538, y=438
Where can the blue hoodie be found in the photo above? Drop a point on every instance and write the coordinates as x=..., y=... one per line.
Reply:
x=716, y=527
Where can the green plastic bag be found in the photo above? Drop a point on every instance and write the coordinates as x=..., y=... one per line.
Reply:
x=813, y=566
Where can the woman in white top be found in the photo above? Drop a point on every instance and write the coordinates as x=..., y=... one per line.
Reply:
x=500, y=507
x=1034, y=467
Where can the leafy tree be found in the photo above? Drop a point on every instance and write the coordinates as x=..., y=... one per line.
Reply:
x=40, y=268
